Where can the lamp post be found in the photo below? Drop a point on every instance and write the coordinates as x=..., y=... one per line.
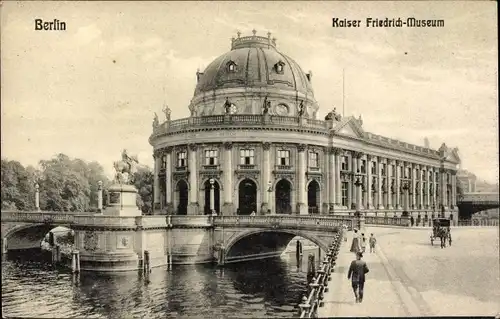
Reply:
x=269, y=191
x=99, y=196
x=212, y=195
x=37, y=197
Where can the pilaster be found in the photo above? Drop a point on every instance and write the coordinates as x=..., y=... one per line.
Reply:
x=369, y=177
x=193, y=207
x=331, y=178
x=338, y=185
x=398, y=183
x=302, y=200
x=228, y=207
x=156, y=180
x=266, y=178
x=379, y=184
x=413, y=186
x=389, y=166
x=168, y=181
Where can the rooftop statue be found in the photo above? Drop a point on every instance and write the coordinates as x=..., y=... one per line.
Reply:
x=125, y=168
x=227, y=106
x=302, y=109
x=360, y=121
x=266, y=106
x=167, y=112
x=332, y=115
x=156, y=122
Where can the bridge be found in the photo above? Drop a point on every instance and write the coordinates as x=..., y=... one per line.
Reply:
x=472, y=203
x=170, y=239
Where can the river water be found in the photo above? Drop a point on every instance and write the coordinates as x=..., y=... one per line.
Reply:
x=31, y=287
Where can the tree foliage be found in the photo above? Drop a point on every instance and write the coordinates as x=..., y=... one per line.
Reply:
x=144, y=183
x=65, y=184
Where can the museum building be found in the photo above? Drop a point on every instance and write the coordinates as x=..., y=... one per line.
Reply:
x=253, y=143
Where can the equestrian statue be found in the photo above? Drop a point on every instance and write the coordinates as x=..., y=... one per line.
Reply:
x=125, y=168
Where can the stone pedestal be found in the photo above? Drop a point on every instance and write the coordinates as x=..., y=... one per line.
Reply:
x=122, y=201
x=228, y=209
x=302, y=209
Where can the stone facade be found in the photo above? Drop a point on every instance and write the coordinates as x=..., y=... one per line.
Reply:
x=243, y=151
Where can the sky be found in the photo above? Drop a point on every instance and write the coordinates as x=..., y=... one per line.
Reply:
x=92, y=90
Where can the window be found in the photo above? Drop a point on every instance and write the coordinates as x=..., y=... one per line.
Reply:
x=279, y=67
x=181, y=159
x=384, y=168
x=417, y=174
x=211, y=157
x=408, y=172
x=374, y=168
x=345, y=163
x=313, y=159
x=345, y=187
x=164, y=161
x=231, y=66
x=400, y=169
x=424, y=176
x=437, y=177
x=363, y=166
x=283, y=157
x=393, y=170
x=247, y=157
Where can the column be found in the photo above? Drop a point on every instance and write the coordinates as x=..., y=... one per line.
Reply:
x=427, y=202
x=359, y=203
x=193, y=206
x=390, y=164
x=156, y=181
x=331, y=178
x=435, y=181
x=228, y=207
x=398, y=184
x=413, y=186
x=168, y=181
x=325, y=188
x=379, y=184
x=302, y=200
x=266, y=179
x=442, y=175
x=421, y=188
x=454, y=189
x=338, y=183
x=369, y=191
x=212, y=197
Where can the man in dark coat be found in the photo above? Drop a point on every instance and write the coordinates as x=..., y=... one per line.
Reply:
x=356, y=273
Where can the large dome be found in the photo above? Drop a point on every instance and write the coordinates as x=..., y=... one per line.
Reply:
x=253, y=66
x=256, y=63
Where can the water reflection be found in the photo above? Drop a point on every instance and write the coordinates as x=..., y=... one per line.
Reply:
x=271, y=287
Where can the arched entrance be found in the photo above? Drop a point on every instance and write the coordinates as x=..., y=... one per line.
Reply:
x=283, y=197
x=247, y=197
x=182, y=190
x=313, y=197
x=216, y=187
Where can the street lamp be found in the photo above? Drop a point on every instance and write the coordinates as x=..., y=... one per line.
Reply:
x=212, y=195
x=358, y=185
x=269, y=190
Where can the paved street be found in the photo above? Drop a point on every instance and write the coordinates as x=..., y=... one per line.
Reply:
x=409, y=277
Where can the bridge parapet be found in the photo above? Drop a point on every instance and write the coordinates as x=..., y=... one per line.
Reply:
x=481, y=197
x=38, y=217
x=284, y=221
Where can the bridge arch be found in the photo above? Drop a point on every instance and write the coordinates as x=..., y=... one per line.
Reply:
x=266, y=243
x=27, y=236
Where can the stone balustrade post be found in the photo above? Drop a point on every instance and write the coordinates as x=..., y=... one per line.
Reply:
x=99, y=196
x=37, y=197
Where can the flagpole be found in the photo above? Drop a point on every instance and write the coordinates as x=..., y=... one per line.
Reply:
x=343, y=92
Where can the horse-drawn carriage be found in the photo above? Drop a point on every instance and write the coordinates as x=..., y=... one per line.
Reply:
x=440, y=229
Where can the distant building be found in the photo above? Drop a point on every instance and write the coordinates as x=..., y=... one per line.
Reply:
x=253, y=142
x=467, y=181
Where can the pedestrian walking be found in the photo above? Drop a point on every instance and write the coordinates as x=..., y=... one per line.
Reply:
x=372, y=241
x=363, y=243
x=355, y=245
x=449, y=237
x=412, y=221
x=357, y=271
x=345, y=229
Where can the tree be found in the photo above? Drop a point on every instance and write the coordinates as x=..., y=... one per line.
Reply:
x=17, y=186
x=144, y=183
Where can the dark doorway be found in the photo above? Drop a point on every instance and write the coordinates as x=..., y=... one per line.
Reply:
x=247, y=194
x=216, y=197
x=283, y=197
x=182, y=188
x=312, y=197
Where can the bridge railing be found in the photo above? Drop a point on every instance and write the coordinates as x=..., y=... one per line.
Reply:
x=285, y=221
x=204, y=220
x=38, y=217
x=478, y=222
x=319, y=283
x=103, y=220
x=391, y=221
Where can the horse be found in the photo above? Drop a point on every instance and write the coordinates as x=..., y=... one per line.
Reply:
x=443, y=235
x=125, y=169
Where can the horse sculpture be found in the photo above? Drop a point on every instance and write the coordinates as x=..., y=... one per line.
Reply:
x=125, y=168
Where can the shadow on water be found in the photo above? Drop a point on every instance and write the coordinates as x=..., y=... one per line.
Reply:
x=268, y=287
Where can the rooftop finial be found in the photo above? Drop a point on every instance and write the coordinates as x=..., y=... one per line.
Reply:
x=238, y=33
x=254, y=32
x=274, y=40
x=269, y=35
